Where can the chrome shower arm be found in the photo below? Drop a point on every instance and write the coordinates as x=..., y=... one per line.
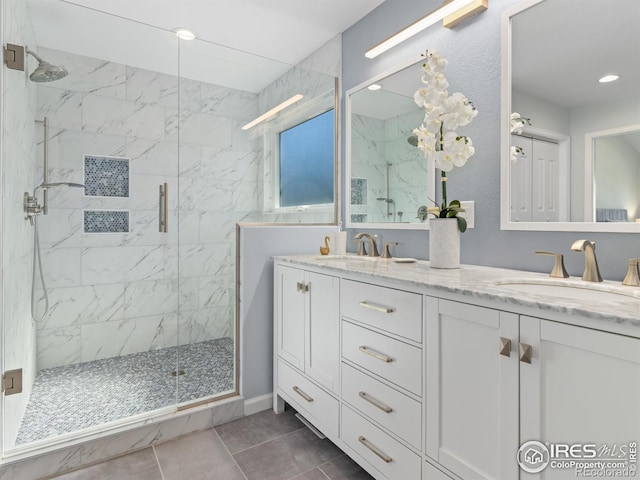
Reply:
x=34, y=55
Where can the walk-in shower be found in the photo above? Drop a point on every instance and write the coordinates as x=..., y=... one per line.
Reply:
x=111, y=323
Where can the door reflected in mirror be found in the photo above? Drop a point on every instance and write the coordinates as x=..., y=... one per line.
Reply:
x=568, y=170
x=388, y=177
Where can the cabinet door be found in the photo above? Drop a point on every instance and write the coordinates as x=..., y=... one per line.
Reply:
x=472, y=390
x=290, y=313
x=322, y=359
x=582, y=386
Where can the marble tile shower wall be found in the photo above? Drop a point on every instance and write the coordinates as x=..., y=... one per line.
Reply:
x=368, y=163
x=409, y=167
x=375, y=142
x=114, y=294
x=19, y=173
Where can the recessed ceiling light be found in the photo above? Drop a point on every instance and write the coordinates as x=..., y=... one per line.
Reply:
x=374, y=86
x=184, y=34
x=609, y=78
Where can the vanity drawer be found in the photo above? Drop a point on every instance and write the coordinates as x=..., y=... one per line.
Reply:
x=386, y=454
x=311, y=401
x=392, y=359
x=385, y=308
x=393, y=410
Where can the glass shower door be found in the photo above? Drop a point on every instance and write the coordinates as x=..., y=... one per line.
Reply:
x=101, y=347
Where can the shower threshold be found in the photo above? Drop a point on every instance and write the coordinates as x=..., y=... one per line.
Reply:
x=76, y=397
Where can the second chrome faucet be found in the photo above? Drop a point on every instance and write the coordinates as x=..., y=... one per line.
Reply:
x=591, y=270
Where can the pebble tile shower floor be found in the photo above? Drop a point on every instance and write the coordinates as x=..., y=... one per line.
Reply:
x=70, y=398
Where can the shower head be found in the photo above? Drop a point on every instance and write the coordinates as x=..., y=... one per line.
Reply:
x=413, y=140
x=47, y=186
x=46, y=72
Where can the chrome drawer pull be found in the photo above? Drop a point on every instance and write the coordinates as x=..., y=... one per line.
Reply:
x=302, y=394
x=377, y=308
x=375, y=402
x=366, y=443
x=374, y=354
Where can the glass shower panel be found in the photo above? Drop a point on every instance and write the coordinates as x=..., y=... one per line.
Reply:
x=221, y=181
x=102, y=343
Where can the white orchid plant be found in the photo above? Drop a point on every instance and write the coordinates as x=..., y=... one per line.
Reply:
x=437, y=136
x=516, y=123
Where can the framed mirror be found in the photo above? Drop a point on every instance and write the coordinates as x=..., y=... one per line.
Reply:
x=570, y=155
x=387, y=177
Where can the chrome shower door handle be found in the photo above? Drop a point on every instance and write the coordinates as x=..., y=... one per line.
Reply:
x=163, y=208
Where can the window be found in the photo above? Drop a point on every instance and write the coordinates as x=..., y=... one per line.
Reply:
x=306, y=162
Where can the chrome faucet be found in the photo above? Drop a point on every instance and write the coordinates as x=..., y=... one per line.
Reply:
x=373, y=248
x=591, y=271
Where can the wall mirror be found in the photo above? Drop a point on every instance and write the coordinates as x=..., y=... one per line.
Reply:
x=575, y=163
x=387, y=177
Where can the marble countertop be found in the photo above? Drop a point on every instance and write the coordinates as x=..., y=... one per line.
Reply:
x=607, y=301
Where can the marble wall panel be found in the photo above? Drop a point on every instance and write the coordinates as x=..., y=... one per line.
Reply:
x=59, y=346
x=151, y=298
x=113, y=292
x=84, y=304
x=144, y=86
x=127, y=336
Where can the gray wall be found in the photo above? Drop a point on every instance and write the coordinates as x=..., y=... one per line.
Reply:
x=258, y=245
x=473, y=52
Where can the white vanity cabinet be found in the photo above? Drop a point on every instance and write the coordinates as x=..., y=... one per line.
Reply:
x=496, y=380
x=472, y=400
x=382, y=378
x=307, y=333
x=419, y=382
x=582, y=386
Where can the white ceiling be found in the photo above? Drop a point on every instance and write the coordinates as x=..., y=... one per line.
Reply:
x=243, y=44
x=562, y=47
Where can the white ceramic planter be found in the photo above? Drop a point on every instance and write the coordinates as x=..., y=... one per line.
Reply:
x=444, y=243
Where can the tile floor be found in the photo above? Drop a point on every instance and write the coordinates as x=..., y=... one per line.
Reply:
x=73, y=397
x=263, y=446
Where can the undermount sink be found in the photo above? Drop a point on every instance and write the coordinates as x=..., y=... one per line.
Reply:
x=571, y=289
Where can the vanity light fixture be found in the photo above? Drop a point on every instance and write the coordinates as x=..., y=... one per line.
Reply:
x=452, y=12
x=273, y=111
x=184, y=34
x=374, y=86
x=609, y=78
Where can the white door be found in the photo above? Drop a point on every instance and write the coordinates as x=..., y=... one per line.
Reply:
x=472, y=398
x=545, y=177
x=322, y=359
x=520, y=181
x=582, y=387
x=290, y=312
x=535, y=181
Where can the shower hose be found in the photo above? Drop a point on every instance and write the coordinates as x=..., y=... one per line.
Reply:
x=37, y=264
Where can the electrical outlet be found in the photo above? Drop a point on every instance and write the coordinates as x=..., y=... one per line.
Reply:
x=469, y=211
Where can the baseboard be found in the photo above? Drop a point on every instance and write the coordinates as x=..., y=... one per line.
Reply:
x=258, y=404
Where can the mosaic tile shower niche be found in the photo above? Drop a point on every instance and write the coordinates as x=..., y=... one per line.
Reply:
x=106, y=221
x=106, y=176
